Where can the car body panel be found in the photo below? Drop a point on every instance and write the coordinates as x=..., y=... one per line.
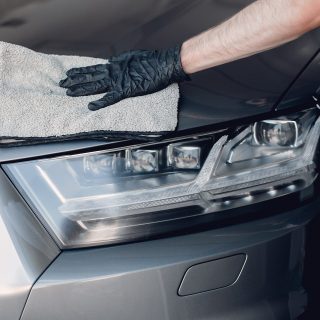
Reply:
x=140, y=281
x=306, y=89
x=25, y=152
x=26, y=250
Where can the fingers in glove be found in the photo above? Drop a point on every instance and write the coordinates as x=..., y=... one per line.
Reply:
x=108, y=100
x=81, y=79
x=87, y=89
x=89, y=69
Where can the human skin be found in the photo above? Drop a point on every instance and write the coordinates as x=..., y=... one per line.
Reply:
x=263, y=25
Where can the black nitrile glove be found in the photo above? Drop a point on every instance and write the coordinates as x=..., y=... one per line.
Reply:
x=130, y=74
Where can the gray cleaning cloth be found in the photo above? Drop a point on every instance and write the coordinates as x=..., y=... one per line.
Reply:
x=34, y=108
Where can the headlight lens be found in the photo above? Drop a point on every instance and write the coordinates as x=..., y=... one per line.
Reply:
x=123, y=194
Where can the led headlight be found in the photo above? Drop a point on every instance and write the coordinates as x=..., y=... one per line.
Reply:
x=184, y=157
x=143, y=160
x=133, y=192
x=283, y=132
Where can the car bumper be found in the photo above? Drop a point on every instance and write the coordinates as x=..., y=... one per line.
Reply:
x=143, y=280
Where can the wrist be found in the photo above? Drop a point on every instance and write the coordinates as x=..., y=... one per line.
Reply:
x=186, y=58
x=173, y=63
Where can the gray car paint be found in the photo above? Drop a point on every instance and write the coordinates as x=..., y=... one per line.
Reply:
x=140, y=281
x=26, y=250
x=212, y=275
x=306, y=89
x=25, y=152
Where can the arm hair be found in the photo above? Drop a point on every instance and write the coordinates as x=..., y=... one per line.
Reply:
x=263, y=25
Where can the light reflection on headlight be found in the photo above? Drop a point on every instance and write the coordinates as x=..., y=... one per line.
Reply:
x=118, y=195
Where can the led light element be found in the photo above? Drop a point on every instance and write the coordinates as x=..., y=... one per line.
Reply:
x=184, y=157
x=136, y=191
x=143, y=160
x=283, y=132
x=276, y=133
x=100, y=164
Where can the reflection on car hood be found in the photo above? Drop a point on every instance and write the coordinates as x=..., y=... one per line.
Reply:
x=103, y=28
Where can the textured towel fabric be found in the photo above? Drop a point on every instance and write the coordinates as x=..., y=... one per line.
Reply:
x=34, y=108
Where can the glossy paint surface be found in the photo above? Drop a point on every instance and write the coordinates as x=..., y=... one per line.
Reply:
x=102, y=28
x=26, y=250
x=140, y=281
x=306, y=89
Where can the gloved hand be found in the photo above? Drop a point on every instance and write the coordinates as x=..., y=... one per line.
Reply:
x=130, y=74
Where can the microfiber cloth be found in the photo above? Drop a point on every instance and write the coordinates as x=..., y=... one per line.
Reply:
x=33, y=108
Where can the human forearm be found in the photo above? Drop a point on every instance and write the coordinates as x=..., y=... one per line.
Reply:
x=261, y=26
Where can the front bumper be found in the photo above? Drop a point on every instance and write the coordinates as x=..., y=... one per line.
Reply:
x=141, y=280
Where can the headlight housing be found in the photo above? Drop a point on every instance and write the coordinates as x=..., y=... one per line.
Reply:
x=133, y=192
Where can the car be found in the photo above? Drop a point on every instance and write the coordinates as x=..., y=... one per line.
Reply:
x=216, y=220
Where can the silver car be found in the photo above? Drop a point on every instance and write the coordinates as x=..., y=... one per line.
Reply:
x=208, y=222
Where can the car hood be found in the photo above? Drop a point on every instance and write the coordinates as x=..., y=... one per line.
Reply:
x=101, y=28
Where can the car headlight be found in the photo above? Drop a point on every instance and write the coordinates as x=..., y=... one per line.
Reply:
x=134, y=192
